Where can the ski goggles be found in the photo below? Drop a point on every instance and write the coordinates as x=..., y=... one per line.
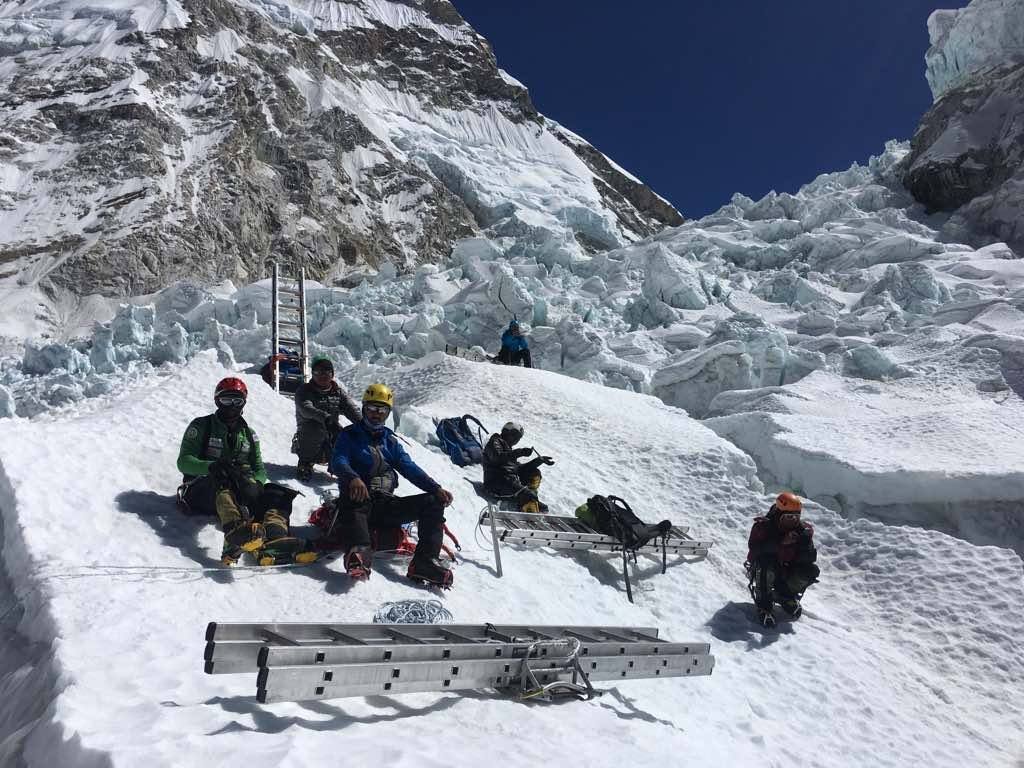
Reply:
x=230, y=401
x=376, y=409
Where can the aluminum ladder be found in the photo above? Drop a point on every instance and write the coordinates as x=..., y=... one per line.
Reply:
x=570, y=533
x=288, y=306
x=300, y=662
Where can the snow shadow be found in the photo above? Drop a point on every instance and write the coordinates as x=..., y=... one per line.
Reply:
x=28, y=688
x=336, y=718
x=734, y=623
x=630, y=711
x=160, y=512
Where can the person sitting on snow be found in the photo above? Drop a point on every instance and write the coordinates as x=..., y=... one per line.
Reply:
x=514, y=347
x=780, y=560
x=223, y=474
x=367, y=460
x=319, y=403
x=505, y=476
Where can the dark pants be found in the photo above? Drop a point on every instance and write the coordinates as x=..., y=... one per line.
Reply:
x=773, y=582
x=313, y=442
x=508, y=357
x=202, y=496
x=355, y=519
x=522, y=485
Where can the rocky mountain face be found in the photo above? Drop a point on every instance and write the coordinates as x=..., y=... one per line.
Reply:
x=145, y=141
x=967, y=156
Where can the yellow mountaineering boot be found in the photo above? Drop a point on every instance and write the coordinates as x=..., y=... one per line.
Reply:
x=279, y=546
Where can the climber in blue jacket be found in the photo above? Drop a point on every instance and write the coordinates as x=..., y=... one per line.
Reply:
x=514, y=348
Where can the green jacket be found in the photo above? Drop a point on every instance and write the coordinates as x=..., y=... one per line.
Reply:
x=208, y=439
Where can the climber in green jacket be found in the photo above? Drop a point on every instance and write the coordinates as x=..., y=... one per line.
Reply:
x=223, y=474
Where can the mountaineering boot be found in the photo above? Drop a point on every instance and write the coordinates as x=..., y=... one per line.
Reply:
x=428, y=570
x=304, y=471
x=532, y=507
x=792, y=607
x=279, y=546
x=542, y=507
x=358, y=563
x=245, y=535
x=765, y=618
x=240, y=536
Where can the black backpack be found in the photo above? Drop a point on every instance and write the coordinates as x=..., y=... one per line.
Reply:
x=614, y=517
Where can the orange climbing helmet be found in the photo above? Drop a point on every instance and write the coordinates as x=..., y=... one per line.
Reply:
x=787, y=502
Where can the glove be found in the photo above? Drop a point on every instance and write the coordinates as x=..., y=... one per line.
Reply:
x=222, y=472
x=547, y=460
x=332, y=423
x=520, y=452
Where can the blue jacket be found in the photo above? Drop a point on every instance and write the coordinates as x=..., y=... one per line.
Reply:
x=352, y=458
x=513, y=342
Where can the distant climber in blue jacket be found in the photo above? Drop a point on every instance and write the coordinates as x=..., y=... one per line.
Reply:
x=514, y=348
x=367, y=460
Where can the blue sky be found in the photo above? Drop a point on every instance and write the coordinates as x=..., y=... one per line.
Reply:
x=702, y=99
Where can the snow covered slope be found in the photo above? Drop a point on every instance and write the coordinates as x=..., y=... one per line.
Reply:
x=908, y=651
x=143, y=141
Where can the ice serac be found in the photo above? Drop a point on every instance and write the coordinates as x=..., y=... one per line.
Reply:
x=149, y=141
x=968, y=151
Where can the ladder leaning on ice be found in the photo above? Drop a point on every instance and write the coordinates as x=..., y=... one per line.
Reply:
x=288, y=308
x=299, y=662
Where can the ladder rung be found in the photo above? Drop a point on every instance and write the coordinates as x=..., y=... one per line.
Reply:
x=290, y=341
x=289, y=323
x=288, y=291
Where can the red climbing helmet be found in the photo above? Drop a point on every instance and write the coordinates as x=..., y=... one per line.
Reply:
x=231, y=387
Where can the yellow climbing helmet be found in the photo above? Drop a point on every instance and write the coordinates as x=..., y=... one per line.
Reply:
x=379, y=393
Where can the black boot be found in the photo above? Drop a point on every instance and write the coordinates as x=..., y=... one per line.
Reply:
x=428, y=570
x=304, y=471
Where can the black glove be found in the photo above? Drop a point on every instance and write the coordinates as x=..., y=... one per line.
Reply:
x=333, y=425
x=520, y=452
x=547, y=460
x=222, y=473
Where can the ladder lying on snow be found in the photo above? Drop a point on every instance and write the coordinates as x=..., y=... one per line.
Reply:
x=537, y=530
x=288, y=307
x=299, y=662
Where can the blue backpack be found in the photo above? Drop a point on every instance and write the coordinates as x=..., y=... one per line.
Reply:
x=459, y=442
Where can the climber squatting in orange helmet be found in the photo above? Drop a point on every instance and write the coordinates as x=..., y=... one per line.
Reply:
x=780, y=559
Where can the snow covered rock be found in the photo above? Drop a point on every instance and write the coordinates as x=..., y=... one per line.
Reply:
x=693, y=382
x=673, y=281
x=815, y=323
x=7, y=405
x=330, y=159
x=787, y=287
x=965, y=41
x=42, y=359
x=869, y=362
x=911, y=286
